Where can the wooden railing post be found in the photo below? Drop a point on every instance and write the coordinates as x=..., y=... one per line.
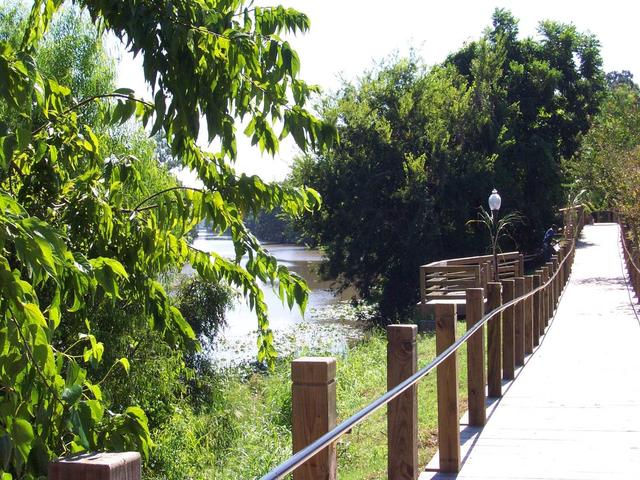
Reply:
x=538, y=329
x=448, y=401
x=567, y=263
x=423, y=293
x=494, y=341
x=631, y=270
x=508, y=332
x=634, y=259
x=556, y=282
x=550, y=296
x=528, y=316
x=635, y=283
x=97, y=466
x=520, y=265
x=314, y=414
x=519, y=321
x=563, y=274
x=476, y=377
x=402, y=412
x=545, y=299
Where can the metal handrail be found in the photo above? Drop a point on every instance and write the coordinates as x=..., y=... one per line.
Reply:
x=337, y=432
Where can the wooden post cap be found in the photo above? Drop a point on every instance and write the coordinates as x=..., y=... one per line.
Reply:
x=97, y=466
x=401, y=333
x=475, y=293
x=313, y=370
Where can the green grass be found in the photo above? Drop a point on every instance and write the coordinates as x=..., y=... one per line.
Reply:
x=362, y=378
x=246, y=432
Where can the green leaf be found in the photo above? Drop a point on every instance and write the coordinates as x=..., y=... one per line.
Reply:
x=125, y=364
x=125, y=91
x=80, y=428
x=33, y=313
x=183, y=326
x=72, y=394
x=23, y=137
x=21, y=432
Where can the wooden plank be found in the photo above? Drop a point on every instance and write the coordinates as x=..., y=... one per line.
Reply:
x=433, y=298
x=494, y=341
x=452, y=283
x=402, y=412
x=476, y=377
x=508, y=332
x=482, y=258
x=451, y=275
x=313, y=413
x=447, y=381
x=453, y=269
x=97, y=466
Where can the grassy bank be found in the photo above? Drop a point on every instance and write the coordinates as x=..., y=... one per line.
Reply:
x=246, y=429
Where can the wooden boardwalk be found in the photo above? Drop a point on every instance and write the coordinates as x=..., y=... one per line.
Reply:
x=573, y=412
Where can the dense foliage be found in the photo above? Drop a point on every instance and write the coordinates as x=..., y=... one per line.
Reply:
x=422, y=148
x=607, y=166
x=86, y=234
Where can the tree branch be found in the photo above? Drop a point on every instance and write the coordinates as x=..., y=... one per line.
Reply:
x=138, y=208
x=88, y=100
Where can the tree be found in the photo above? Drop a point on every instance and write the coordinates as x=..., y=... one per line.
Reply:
x=421, y=149
x=624, y=77
x=379, y=220
x=549, y=91
x=81, y=236
x=606, y=166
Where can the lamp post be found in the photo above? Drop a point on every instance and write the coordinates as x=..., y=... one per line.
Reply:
x=494, y=205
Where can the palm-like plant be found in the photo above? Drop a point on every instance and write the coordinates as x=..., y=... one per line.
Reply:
x=497, y=228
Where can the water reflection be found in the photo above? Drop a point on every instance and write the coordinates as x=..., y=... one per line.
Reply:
x=326, y=326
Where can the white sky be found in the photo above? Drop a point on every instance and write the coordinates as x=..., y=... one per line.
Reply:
x=348, y=36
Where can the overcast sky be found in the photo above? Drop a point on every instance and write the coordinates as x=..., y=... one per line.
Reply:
x=348, y=36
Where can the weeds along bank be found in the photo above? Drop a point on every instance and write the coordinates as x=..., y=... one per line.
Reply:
x=242, y=428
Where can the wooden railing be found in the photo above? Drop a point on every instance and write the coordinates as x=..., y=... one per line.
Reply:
x=631, y=259
x=520, y=309
x=449, y=279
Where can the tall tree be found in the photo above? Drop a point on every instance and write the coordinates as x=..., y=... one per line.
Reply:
x=78, y=225
x=421, y=150
x=550, y=90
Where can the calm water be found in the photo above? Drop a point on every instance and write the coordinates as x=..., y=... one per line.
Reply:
x=327, y=324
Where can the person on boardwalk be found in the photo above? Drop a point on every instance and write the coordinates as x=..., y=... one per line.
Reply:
x=548, y=243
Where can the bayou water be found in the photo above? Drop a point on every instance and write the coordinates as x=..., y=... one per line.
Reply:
x=328, y=324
